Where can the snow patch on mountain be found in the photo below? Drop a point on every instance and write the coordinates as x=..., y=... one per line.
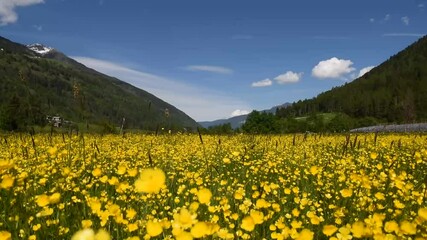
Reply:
x=39, y=48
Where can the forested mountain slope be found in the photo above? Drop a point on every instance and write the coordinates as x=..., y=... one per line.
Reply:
x=36, y=84
x=395, y=91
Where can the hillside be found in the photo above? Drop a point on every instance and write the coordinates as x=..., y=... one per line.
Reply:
x=35, y=84
x=395, y=91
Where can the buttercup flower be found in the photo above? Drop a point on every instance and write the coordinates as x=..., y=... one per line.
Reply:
x=150, y=181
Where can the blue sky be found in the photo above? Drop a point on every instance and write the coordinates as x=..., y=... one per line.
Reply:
x=214, y=59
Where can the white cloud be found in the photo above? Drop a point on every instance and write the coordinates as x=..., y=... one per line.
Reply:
x=263, y=83
x=38, y=27
x=403, y=34
x=199, y=103
x=288, y=77
x=372, y=20
x=332, y=68
x=206, y=68
x=239, y=112
x=7, y=9
x=405, y=20
x=421, y=6
x=363, y=71
x=387, y=17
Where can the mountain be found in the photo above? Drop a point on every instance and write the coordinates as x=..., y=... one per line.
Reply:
x=395, y=91
x=238, y=121
x=273, y=110
x=38, y=81
x=235, y=122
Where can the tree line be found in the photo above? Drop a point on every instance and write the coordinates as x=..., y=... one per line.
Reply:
x=268, y=123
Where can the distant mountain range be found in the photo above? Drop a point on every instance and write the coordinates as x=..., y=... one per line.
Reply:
x=238, y=121
x=37, y=81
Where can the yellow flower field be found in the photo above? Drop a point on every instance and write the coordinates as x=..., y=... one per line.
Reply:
x=138, y=186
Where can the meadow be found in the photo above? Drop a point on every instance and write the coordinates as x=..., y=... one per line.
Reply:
x=188, y=186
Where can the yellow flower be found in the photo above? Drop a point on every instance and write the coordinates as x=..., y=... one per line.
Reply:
x=52, y=151
x=133, y=238
x=378, y=218
x=42, y=200
x=212, y=228
x=104, y=179
x=43, y=181
x=315, y=220
x=54, y=198
x=4, y=165
x=239, y=194
x=398, y=204
x=204, y=195
x=262, y=203
x=102, y=235
x=121, y=169
x=379, y=196
x=314, y=170
x=122, y=187
x=408, y=228
x=113, y=180
x=296, y=224
x=86, y=223
x=36, y=227
x=257, y=216
x=97, y=172
x=114, y=210
x=200, y=229
x=184, y=236
x=358, y=229
x=94, y=204
x=194, y=206
x=85, y=234
x=132, y=172
x=391, y=226
x=150, y=181
x=184, y=218
x=224, y=234
x=154, y=228
x=248, y=224
x=7, y=181
x=5, y=235
x=45, y=212
x=422, y=212
x=23, y=175
x=295, y=212
x=305, y=234
x=344, y=233
x=130, y=214
x=66, y=171
x=166, y=224
x=346, y=193
x=328, y=230
x=132, y=227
